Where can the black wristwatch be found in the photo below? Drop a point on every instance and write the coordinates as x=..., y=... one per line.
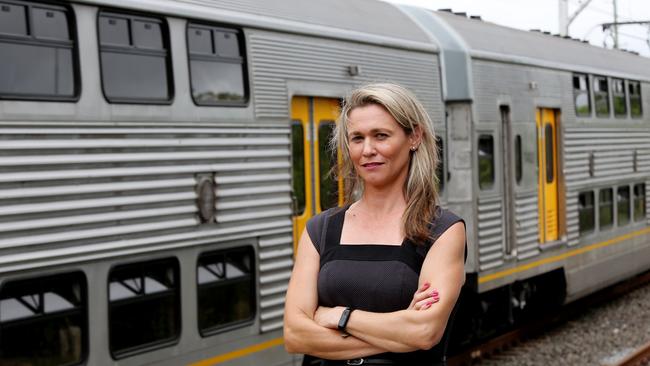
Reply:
x=343, y=322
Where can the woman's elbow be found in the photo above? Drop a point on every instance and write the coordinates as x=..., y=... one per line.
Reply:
x=429, y=339
x=293, y=341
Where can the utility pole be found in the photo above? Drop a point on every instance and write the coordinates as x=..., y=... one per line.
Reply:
x=615, y=27
x=564, y=19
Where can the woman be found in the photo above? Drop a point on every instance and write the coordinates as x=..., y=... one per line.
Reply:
x=362, y=287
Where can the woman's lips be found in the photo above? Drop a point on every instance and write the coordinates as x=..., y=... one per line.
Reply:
x=371, y=166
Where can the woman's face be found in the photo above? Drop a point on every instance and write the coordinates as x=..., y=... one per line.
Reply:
x=379, y=147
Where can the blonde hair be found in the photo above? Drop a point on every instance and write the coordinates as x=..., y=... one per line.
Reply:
x=421, y=186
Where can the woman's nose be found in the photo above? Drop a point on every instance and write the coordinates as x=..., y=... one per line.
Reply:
x=368, y=147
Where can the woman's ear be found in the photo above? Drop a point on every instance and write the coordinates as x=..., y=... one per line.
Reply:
x=416, y=137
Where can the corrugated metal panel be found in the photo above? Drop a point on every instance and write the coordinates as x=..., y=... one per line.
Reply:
x=613, y=154
x=527, y=225
x=491, y=38
x=276, y=262
x=573, y=229
x=490, y=232
x=367, y=16
x=76, y=192
x=276, y=58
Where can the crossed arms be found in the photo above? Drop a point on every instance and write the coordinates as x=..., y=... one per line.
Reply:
x=311, y=329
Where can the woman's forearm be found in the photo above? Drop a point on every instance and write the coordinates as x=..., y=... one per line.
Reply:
x=303, y=335
x=400, y=331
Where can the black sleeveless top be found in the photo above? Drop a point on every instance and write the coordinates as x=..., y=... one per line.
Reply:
x=376, y=278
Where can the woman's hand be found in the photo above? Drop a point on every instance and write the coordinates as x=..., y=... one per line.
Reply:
x=424, y=298
x=328, y=317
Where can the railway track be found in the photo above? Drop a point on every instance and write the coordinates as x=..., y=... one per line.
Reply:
x=509, y=340
x=640, y=357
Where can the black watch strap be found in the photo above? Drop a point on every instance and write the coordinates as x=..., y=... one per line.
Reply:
x=345, y=316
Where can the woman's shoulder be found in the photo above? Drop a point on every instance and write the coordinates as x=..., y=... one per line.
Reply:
x=317, y=224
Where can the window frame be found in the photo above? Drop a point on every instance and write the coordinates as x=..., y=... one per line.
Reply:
x=244, y=61
x=629, y=84
x=31, y=39
x=132, y=16
x=634, y=199
x=215, y=330
x=594, y=206
x=84, y=295
x=151, y=346
x=596, y=79
x=612, y=208
x=615, y=95
x=492, y=185
x=577, y=91
x=629, y=205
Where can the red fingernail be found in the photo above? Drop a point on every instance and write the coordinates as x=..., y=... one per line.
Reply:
x=426, y=284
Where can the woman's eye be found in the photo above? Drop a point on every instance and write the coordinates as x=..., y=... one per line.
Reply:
x=382, y=136
x=356, y=138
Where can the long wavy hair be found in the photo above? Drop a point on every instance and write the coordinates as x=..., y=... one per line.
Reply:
x=421, y=186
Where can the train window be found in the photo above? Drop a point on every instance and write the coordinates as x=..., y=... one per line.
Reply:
x=639, y=202
x=606, y=208
x=43, y=321
x=550, y=153
x=144, y=306
x=298, y=167
x=601, y=96
x=485, y=162
x=618, y=94
x=13, y=19
x=38, y=52
x=217, y=65
x=635, y=98
x=586, y=217
x=581, y=94
x=135, y=60
x=440, y=170
x=519, y=168
x=623, y=205
x=329, y=185
x=226, y=285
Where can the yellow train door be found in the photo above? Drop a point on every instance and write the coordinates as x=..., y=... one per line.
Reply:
x=547, y=160
x=314, y=188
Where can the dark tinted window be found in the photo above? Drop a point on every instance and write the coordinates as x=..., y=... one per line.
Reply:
x=519, y=169
x=329, y=185
x=550, y=153
x=298, y=166
x=43, y=321
x=618, y=95
x=606, y=208
x=40, y=62
x=586, y=215
x=581, y=94
x=226, y=284
x=147, y=35
x=13, y=19
x=135, y=59
x=639, y=202
x=635, y=98
x=217, y=65
x=485, y=162
x=200, y=40
x=114, y=30
x=49, y=23
x=601, y=96
x=623, y=205
x=144, y=306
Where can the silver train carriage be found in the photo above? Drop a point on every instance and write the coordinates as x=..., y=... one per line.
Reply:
x=159, y=158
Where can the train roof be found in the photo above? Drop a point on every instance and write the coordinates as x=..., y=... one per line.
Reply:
x=368, y=21
x=492, y=41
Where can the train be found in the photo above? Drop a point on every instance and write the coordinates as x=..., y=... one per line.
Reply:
x=159, y=158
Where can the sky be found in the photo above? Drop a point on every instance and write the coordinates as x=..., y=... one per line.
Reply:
x=543, y=15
